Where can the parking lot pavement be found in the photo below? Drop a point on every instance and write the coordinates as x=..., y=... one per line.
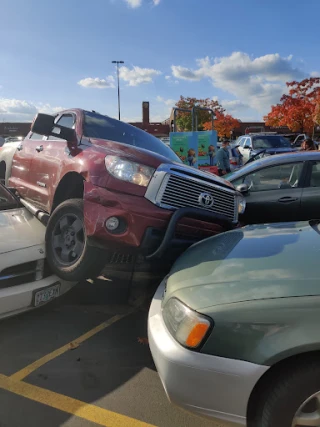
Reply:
x=79, y=362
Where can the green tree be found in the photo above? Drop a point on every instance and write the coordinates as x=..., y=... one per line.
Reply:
x=184, y=119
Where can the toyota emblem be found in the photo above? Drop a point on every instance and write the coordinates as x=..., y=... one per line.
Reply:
x=206, y=200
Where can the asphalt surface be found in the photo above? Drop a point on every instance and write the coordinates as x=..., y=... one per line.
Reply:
x=108, y=376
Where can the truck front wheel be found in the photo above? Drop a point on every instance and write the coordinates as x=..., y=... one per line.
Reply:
x=68, y=252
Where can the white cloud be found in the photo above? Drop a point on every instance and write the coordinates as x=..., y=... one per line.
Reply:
x=185, y=73
x=234, y=106
x=134, y=3
x=48, y=109
x=14, y=110
x=16, y=106
x=315, y=74
x=97, y=83
x=257, y=82
x=171, y=81
x=136, y=75
x=168, y=102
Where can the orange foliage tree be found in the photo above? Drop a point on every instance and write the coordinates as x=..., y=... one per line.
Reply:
x=224, y=124
x=297, y=110
x=316, y=116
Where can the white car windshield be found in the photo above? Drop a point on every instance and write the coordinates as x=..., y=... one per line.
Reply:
x=268, y=141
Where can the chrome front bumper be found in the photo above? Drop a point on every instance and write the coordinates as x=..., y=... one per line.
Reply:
x=206, y=385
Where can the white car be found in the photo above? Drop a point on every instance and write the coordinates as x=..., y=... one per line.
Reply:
x=7, y=151
x=25, y=280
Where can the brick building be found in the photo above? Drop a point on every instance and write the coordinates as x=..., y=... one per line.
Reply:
x=247, y=127
x=157, y=129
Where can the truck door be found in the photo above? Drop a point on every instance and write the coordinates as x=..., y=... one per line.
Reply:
x=21, y=172
x=49, y=155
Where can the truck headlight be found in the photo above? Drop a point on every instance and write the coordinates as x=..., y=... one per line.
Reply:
x=241, y=204
x=129, y=171
x=188, y=327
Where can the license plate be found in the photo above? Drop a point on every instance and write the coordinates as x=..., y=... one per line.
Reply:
x=47, y=294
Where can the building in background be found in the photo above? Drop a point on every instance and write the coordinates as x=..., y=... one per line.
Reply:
x=14, y=129
x=160, y=130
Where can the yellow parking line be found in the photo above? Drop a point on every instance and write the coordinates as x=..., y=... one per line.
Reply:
x=71, y=406
x=23, y=373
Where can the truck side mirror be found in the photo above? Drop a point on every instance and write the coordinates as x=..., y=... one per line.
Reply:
x=43, y=124
x=242, y=188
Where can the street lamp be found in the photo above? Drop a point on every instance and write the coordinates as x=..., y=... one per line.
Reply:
x=118, y=62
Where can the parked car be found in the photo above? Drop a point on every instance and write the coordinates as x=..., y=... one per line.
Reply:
x=13, y=139
x=26, y=282
x=110, y=187
x=233, y=329
x=285, y=187
x=7, y=151
x=249, y=145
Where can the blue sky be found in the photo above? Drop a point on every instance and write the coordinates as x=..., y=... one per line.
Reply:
x=57, y=54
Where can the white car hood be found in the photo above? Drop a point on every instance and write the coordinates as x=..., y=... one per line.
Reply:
x=19, y=229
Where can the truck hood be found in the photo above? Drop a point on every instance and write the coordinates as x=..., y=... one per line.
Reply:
x=135, y=154
x=150, y=158
x=19, y=229
x=253, y=263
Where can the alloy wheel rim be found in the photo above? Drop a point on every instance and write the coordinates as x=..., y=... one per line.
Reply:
x=68, y=239
x=308, y=415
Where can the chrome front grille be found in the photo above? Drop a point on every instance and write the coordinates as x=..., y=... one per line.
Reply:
x=179, y=191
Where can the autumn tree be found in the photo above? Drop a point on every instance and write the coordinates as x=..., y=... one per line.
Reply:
x=316, y=115
x=223, y=124
x=297, y=110
x=184, y=119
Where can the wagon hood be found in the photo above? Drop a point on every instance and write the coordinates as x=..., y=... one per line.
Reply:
x=19, y=229
x=253, y=263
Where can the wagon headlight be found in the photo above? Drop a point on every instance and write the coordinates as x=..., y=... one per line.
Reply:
x=188, y=327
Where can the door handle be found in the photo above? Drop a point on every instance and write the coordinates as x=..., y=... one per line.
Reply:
x=39, y=148
x=20, y=147
x=287, y=200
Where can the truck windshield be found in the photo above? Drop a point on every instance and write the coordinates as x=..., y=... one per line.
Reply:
x=265, y=141
x=103, y=127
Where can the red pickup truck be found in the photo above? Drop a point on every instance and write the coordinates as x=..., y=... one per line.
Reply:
x=109, y=188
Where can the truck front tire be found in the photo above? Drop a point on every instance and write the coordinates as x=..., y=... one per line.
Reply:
x=68, y=253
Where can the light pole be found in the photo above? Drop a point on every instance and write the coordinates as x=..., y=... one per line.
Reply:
x=118, y=62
